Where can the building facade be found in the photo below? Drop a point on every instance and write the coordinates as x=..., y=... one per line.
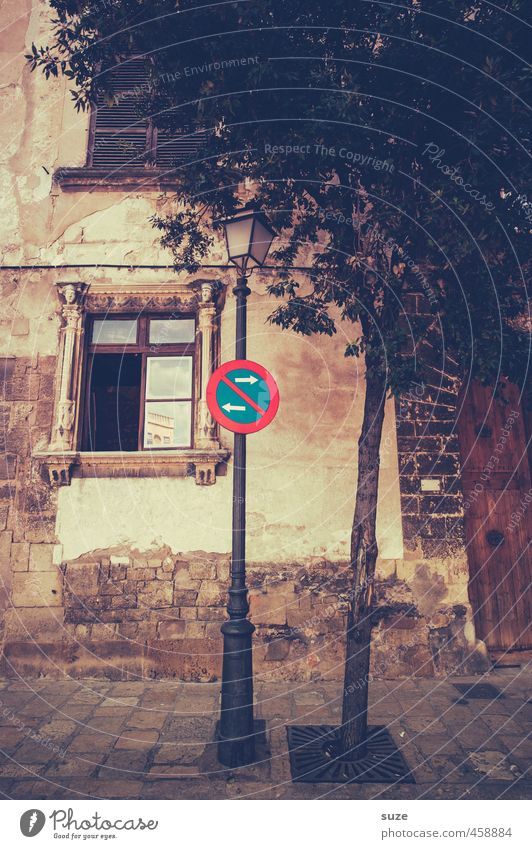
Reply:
x=116, y=491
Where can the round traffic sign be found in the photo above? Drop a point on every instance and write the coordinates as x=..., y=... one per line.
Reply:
x=242, y=396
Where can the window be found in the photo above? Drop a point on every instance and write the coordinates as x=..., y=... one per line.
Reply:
x=119, y=138
x=139, y=384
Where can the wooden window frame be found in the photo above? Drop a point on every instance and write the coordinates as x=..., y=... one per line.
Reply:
x=146, y=349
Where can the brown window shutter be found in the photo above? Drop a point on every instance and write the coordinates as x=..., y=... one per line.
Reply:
x=175, y=149
x=119, y=137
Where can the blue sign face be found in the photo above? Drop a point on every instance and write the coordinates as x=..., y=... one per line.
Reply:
x=242, y=396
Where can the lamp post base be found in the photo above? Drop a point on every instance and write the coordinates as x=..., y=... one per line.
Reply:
x=236, y=731
x=316, y=757
x=240, y=751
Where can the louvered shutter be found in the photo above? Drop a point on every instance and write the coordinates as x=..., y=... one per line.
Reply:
x=174, y=150
x=119, y=136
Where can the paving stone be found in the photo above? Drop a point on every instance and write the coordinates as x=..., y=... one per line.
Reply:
x=456, y=715
x=31, y=751
x=17, y=698
x=124, y=765
x=120, y=710
x=66, y=687
x=197, y=787
x=309, y=697
x=115, y=789
x=76, y=712
x=387, y=708
x=147, y=719
x=504, y=725
x=86, y=697
x=279, y=688
x=519, y=750
x=473, y=735
x=188, y=728
x=501, y=707
x=58, y=729
x=425, y=772
x=7, y=721
x=496, y=765
x=137, y=739
x=120, y=702
x=107, y=724
x=160, y=702
x=61, y=788
x=424, y=724
x=178, y=753
x=74, y=767
x=16, y=770
x=91, y=742
x=278, y=706
x=173, y=771
x=20, y=789
x=201, y=705
x=10, y=736
x=37, y=709
x=96, y=685
x=437, y=744
x=127, y=688
x=6, y=785
x=21, y=686
x=311, y=715
x=473, y=750
x=280, y=764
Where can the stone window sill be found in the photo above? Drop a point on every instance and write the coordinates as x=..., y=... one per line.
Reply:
x=72, y=179
x=62, y=466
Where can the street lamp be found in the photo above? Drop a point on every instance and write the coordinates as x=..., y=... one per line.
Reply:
x=248, y=236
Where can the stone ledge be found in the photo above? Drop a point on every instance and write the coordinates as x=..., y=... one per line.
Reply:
x=145, y=178
x=201, y=462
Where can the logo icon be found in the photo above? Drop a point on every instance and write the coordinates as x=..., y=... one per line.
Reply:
x=32, y=822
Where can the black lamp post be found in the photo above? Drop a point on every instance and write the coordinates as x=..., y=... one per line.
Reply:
x=248, y=236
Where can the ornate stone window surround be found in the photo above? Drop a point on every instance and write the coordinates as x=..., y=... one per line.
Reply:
x=63, y=459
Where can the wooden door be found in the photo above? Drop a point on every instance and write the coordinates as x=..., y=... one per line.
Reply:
x=496, y=480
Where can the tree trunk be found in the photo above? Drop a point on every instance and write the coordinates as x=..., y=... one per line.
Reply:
x=363, y=559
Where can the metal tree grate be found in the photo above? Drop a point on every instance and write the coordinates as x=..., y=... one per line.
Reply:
x=313, y=757
x=479, y=691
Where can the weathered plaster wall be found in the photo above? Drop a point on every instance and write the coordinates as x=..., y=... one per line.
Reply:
x=30, y=125
x=301, y=469
x=127, y=576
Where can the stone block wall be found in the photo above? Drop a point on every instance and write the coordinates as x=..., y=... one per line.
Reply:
x=122, y=612
x=127, y=614
x=428, y=450
x=28, y=576
x=435, y=561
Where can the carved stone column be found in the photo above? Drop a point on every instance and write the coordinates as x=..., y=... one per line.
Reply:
x=206, y=430
x=70, y=347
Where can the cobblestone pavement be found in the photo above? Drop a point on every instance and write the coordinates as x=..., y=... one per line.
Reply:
x=153, y=739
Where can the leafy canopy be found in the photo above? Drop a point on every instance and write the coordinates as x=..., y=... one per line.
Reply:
x=388, y=142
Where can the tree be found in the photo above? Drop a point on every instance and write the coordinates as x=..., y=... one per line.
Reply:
x=391, y=138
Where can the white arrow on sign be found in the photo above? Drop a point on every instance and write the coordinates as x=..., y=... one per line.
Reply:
x=230, y=407
x=249, y=379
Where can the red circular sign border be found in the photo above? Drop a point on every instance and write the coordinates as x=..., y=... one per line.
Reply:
x=225, y=421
